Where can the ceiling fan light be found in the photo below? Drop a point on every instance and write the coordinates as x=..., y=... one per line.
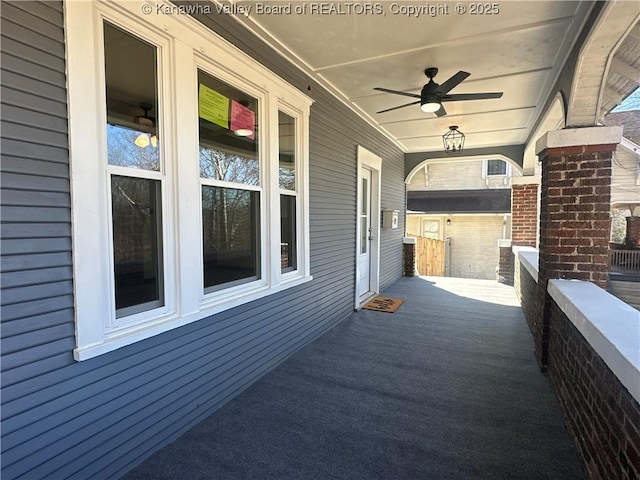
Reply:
x=142, y=140
x=430, y=107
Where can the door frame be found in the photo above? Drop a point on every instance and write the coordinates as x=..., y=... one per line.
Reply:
x=370, y=161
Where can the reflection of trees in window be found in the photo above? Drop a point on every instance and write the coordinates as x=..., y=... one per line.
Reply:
x=123, y=152
x=136, y=240
x=230, y=219
x=288, y=243
x=218, y=165
x=287, y=177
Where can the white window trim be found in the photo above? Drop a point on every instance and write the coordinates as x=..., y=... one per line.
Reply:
x=485, y=169
x=184, y=45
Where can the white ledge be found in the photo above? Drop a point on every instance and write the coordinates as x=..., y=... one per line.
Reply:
x=528, y=256
x=610, y=326
x=572, y=137
x=526, y=180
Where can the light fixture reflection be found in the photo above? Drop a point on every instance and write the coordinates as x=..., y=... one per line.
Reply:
x=243, y=132
x=142, y=140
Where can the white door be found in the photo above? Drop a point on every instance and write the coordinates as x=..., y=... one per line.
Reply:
x=364, y=255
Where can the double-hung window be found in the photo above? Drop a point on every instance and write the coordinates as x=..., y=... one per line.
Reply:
x=136, y=178
x=230, y=174
x=189, y=171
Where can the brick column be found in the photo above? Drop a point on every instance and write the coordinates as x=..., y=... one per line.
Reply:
x=505, y=262
x=524, y=211
x=633, y=232
x=409, y=247
x=574, y=212
x=524, y=223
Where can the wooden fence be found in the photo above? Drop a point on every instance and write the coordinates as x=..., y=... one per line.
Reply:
x=430, y=257
x=624, y=261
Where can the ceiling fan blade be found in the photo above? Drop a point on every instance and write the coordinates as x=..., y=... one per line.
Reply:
x=399, y=106
x=441, y=112
x=453, y=81
x=396, y=92
x=471, y=96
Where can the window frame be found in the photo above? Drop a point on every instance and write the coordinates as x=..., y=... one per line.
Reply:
x=485, y=169
x=184, y=45
x=300, y=178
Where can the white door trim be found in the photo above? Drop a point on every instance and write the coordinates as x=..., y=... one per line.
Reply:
x=367, y=159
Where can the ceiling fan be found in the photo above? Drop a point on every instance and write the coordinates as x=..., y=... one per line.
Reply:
x=433, y=94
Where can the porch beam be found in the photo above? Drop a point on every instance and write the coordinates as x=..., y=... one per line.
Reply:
x=625, y=70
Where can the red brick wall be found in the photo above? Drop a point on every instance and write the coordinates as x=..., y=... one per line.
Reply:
x=505, y=265
x=409, y=259
x=527, y=288
x=574, y=213
x=602, y=415
x=533, y=308
x=524, y=214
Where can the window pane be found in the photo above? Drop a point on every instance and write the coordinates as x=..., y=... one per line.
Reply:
x=364, y=208
x=288, y=232
x=131, y=89
x=228, y=132
x=231, y=225
x=137, y=248
x=496, y=167
x=287, y=147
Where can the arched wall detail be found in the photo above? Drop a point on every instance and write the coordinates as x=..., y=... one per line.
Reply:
x=615, y=21
x=472, y=158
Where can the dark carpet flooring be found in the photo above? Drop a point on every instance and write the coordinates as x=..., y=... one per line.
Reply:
x=445, y=388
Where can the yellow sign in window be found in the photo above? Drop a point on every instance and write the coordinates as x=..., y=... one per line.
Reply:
x=213, y=106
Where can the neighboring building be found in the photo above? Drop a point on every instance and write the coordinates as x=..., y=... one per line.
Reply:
x=468, y=205
x=625, y=177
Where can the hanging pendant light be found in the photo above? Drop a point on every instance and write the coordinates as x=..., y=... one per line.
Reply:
x=453, y=140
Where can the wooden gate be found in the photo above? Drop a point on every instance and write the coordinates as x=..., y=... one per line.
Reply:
x=430, y=257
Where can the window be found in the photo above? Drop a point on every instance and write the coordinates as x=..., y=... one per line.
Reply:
x=496, y=168
x=189, y=175
x=230, y=176
x=431, y=229
x=136, y=180
x=287, y=146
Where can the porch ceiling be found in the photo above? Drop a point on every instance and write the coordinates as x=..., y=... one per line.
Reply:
x=519, y=51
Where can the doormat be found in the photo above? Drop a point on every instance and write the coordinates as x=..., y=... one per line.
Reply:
x=384, y=304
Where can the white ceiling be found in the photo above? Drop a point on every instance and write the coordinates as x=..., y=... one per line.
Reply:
x=518, y=51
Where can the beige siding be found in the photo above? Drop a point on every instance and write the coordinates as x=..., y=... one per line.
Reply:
x=413, y=225
x=474, y=241
x=474, y=245
x=457, y=176
x=624, y=181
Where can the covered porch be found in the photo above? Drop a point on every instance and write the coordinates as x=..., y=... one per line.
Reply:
x=446, y=387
